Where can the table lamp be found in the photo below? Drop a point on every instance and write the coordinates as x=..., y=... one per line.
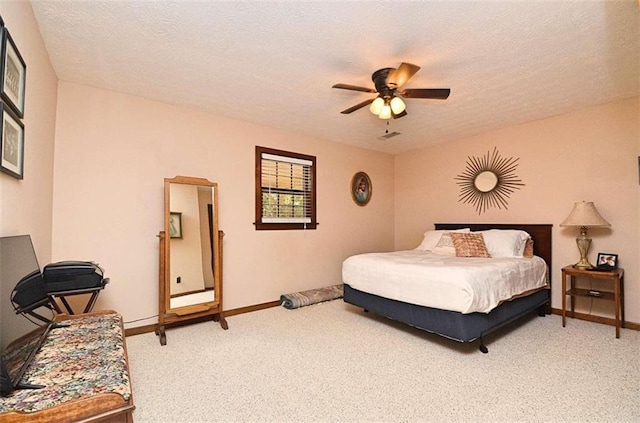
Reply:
x=584, y=215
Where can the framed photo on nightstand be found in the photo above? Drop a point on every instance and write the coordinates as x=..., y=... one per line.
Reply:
x=607, y=261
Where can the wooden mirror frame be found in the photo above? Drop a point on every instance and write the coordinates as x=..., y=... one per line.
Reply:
x=168, y=316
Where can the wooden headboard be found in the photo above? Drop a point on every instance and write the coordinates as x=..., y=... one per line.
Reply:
x=540, y=233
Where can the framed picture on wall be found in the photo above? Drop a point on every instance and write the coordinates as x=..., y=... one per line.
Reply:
x=175, y=224
x=361, y=188
x=11, y=143
x=13, y=73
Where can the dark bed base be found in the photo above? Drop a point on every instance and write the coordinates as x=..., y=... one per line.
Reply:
x=455, y=325
x=450, y=324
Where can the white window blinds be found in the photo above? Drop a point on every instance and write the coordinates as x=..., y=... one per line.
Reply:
x=286, y=189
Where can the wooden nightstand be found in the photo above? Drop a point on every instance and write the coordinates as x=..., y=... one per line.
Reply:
x=617, y=295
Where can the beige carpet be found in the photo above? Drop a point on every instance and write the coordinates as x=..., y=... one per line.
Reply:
x=331, y=362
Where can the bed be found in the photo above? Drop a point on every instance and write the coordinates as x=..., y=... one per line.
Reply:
x=462, y=325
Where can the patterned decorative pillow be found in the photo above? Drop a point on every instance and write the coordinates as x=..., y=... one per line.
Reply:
x=432, y=238
x=445, y=245
x=528, y=249
x=469, y=245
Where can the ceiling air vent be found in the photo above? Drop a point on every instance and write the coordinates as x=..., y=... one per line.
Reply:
x=389, y=135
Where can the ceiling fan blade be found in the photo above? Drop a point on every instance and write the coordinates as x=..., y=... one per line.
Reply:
x=357, y=106
x=399, y=115
x=354, y=88
x=435, y=93
x=400, y=76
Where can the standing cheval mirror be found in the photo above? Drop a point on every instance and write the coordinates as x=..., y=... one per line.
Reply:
x=190, y=254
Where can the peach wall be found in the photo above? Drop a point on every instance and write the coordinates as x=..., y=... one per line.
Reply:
x=588, y=155
x=26, y=205
x=112, y=153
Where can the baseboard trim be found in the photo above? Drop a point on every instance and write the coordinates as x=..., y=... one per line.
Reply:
x=139, y=330
x=248, y=309
x=597, y=319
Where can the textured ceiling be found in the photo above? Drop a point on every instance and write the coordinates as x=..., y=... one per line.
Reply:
x=273, y=63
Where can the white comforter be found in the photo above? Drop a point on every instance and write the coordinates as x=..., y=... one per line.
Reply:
x=466, y=285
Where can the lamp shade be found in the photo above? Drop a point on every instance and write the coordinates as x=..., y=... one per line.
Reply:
x=585, y=214
x=385, y=113
x=376, y=106
x=397, y=105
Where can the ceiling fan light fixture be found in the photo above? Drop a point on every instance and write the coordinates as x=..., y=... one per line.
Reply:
x=376, y=106
x=385, y=113
x=397, y=105
x=390, y=92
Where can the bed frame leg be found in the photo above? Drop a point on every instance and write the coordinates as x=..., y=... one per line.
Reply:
x=483, y=348
x=544, y=309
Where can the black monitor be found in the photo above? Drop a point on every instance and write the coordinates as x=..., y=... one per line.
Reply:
x=23, y=325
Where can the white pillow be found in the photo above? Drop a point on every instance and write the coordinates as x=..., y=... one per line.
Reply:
x=432, y=238
x=505, y=242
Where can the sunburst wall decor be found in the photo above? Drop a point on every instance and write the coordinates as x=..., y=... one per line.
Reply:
x=488, y=181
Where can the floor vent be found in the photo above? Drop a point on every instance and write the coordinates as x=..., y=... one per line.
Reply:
x=389, y=135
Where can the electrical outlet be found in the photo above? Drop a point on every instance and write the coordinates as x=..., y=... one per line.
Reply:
x=179, y=279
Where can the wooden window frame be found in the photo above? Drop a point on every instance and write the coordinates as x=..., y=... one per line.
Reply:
x=259, y=224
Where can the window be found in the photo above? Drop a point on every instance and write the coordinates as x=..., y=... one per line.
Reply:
x=285, y=190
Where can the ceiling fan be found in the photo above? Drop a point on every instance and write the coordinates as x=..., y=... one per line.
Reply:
x=388, y=82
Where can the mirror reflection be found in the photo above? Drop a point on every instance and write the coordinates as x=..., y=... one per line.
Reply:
x=191, y=239
x=486, y=181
